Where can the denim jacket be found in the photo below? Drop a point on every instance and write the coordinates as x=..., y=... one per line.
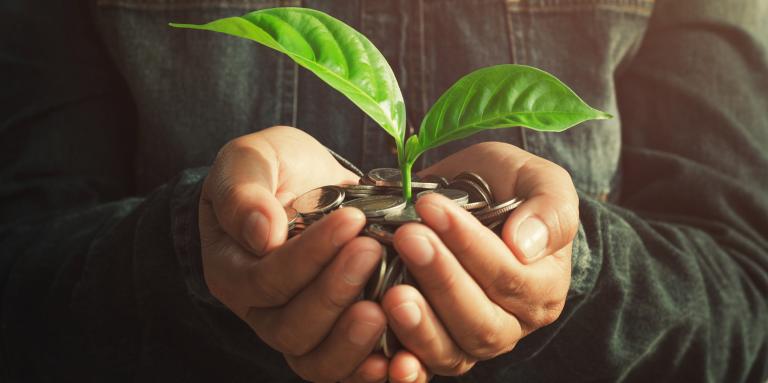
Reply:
x=109, y=119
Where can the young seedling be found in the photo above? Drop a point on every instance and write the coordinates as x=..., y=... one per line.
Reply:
x=494, y=97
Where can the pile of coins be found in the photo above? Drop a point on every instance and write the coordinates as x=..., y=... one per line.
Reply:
x=379, y=196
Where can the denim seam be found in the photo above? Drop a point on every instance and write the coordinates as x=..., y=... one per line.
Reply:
x=158, y=5
x=643, y=8
x=513, y=58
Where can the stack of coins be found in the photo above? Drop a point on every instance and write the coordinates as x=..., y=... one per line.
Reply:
x=379, y=196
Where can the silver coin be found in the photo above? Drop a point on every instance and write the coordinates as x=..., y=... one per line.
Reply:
x=441, y=181
x=359, y=191
x=365, y=181
x=377, y=205
x=384, y=175
x=291, y=214
x=388, y=344
x=309, y=219
x=407, y=278
x=376, y=282
x=474, y=177
x=476, y=192
x=393, y=178
x=471, y=206
x=459, y=196
x=391, y=276
x=497, y=212
x=375, y=220
x=379, y=233
x=319, y=201
x=401, y=217
x=493, y=225
x=425, y=185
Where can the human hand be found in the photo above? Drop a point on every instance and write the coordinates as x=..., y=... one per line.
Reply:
x=274, y=285
x=480, y=294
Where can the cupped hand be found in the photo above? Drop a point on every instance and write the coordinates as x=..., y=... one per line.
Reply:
x=480, y=294
x=275, y=285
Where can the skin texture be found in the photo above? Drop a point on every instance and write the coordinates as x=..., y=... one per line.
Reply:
x=475, y=302
x=480, y=294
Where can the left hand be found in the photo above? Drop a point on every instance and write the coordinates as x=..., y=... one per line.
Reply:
x=480, y=294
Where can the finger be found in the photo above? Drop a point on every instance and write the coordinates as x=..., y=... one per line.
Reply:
x=550, y=197
x=534, y=293
x=338, y=286
x=480, y=327
x=420, y=332
x=372, y=370
x=250, y=182
x=479, y=250
x=276, y=278
x=548, y=219
x=538, y=298
x=241, y=188
x=349, y=343
x=406, y=368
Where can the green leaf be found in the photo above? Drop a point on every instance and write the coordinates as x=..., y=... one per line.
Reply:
x=500, y=96
x=334, y=51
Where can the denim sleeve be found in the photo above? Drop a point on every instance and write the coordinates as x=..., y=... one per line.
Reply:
x=671, y=282
x=97, y=284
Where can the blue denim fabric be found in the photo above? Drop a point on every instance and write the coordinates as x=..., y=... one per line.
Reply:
x=102, y=105
x=195, y=90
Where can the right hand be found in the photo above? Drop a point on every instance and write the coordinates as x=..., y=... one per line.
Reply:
x=299, y=296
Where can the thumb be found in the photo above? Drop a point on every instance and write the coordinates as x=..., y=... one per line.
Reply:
x=241, y=191
x=548, y=219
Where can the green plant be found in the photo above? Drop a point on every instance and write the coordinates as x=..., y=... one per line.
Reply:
x=490, y=98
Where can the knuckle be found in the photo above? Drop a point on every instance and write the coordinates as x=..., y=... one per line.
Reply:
x=268, y=293
x=458, y=365
x=335, y=301
x=486, y=342
x=237, y=192
x=285, y=340
x=300, y=368
x=568, y=219
x=231, y=150
x=546, y=314
x=237, y=145
x=510, y=285
x=224, y=192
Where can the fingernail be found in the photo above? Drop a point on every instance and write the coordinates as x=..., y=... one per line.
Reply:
x=347, y=230
x=256, y=231
x=532, y=237
x=417, y=249
x=413, y=366
x=407, y=315
x=436, y=216
x=411, y=378
x=357, y=267
x=361, y=333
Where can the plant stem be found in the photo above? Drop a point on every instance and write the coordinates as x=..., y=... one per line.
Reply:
x=405, y=169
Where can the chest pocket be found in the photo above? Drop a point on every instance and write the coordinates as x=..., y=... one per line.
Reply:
x=586, y=43
x=193, y=90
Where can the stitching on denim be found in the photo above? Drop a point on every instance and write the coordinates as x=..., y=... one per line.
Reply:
x=639, y=7
x=159, y=5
